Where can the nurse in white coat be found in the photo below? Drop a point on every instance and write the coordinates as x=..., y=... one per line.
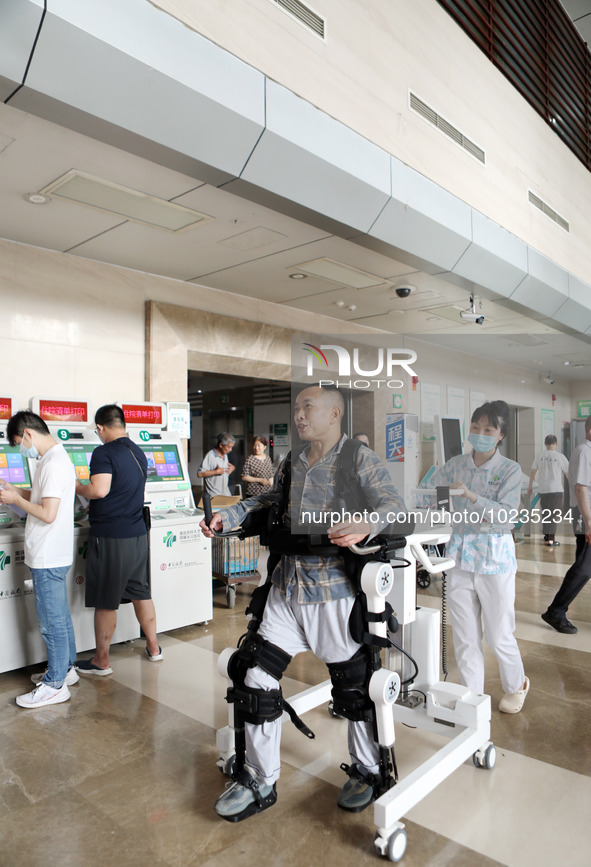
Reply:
x=482, y=585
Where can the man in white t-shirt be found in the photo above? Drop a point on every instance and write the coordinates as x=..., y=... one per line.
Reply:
x=49, y=547
x=550, y=464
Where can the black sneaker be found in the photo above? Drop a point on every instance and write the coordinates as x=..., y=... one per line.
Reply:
x=559, y=624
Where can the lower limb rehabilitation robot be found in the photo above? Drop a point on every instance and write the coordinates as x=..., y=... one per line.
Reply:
x=418, y=699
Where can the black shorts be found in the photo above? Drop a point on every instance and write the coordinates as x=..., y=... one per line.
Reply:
x=116, y=571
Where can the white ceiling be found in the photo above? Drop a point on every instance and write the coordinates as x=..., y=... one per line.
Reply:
x=247, y=249
x=580, y=12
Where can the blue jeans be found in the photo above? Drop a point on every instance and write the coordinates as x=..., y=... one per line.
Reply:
x=55, y=623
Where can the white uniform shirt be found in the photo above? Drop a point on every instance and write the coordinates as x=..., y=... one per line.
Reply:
x=550, y=465
x=579, y=470
x=483, y=544
x=48, y=546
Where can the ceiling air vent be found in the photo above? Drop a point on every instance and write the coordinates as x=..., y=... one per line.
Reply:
x=306, y=16
x=550, y=212
x=446, y=128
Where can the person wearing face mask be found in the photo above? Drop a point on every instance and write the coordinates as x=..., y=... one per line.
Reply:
x=482, y=584
x=49, y=551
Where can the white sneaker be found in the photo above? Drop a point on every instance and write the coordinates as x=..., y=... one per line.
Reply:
x=42, y=696
x=512, y=703
x=72, y=677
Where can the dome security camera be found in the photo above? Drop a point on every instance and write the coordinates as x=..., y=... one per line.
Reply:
x=404, y=291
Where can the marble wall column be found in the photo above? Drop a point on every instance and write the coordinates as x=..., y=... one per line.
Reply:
x=179, y=339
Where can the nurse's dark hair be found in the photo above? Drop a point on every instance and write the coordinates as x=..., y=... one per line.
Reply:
x=497, y=412
x=550, y=440
x=109, y=415
x=21, y=420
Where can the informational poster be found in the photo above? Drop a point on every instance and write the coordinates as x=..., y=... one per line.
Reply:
x=430, y=407
x=477, y=398
x=179, y=418
x=547, y=423
x=280, y=435
x=455, y=402
x=395, y=439
x=583, y=408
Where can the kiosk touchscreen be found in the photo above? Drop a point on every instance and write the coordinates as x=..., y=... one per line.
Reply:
x=14, y=466
x=180, y=555
x=449, y=438
x=80, y=454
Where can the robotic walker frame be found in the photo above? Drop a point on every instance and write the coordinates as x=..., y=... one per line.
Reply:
x=424, y=702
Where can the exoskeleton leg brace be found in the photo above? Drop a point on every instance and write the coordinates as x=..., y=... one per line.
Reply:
x=362, y=689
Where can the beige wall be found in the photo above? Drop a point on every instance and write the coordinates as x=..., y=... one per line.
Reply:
x=374, y=54
x=74, y=328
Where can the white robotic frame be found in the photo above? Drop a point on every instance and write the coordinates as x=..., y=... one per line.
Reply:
x=448, y=709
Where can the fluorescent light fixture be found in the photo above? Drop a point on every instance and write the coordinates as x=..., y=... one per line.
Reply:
x=125, y=202
x=338, y=272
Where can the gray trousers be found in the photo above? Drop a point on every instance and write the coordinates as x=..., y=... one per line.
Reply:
x=322, y=628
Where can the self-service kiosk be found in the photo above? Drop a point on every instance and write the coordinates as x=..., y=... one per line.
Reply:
x=180, y=555
x=69, y=422
x=20, y=640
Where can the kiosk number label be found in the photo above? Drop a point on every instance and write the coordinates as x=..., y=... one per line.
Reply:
x=145, y=436
x=63, y=434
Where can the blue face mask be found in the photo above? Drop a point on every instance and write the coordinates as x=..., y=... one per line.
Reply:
x=481, y=442
x=30, y=452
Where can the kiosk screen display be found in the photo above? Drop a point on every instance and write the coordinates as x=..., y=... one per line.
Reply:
x=164, y=464
x=14, y=467
x=80, y=455
x=452, y=438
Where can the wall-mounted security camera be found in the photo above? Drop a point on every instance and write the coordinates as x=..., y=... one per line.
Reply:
x=548, y=379
x=469, y=316
x=404, y=291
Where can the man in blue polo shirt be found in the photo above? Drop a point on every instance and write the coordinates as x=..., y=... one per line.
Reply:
x=117, y=559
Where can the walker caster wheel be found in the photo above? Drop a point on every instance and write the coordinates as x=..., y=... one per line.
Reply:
x=392, y=847
x=397, y=846
x=423, y=579
x=230, y=596
x=485, y=758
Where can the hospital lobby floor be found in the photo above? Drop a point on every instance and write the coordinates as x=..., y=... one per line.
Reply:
x=124, y=773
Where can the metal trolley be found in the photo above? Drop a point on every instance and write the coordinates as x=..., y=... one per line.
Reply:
x=233, y=561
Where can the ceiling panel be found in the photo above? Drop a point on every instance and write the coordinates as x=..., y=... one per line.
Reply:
x=268, y=276
x=39, y=153
x=202, y=249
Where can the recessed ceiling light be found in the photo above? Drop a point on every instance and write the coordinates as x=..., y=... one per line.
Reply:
x=298, y=276
x=339, y=272
x=566, y=363
x=339, y=303
x=125, y=202
x=352, y=307
x=37, y=198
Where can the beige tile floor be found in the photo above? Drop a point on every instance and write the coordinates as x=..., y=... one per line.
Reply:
x=124, y=774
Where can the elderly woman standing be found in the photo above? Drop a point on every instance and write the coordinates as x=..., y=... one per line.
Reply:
x=257, y=471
